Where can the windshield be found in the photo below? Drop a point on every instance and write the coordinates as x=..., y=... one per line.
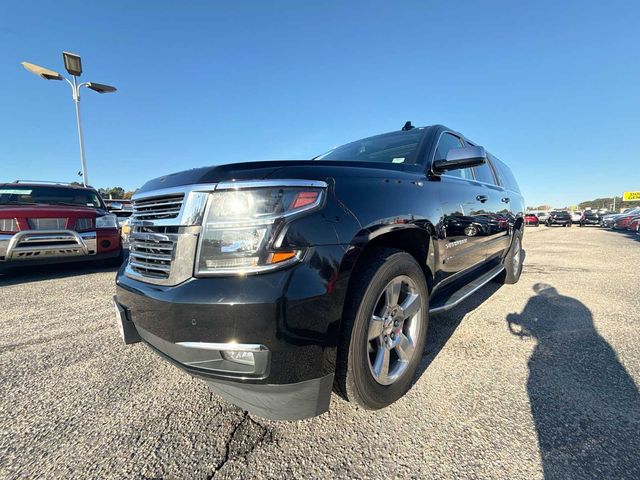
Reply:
x=49, y=195
x=395, y=147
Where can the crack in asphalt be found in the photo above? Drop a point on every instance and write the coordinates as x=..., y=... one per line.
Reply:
x=264, y=436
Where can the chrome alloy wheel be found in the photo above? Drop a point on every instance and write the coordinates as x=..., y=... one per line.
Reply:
x=394, y=328
x=517, y=251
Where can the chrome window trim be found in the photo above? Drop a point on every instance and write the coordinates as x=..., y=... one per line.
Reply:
x=473, y=172
x=460, y=137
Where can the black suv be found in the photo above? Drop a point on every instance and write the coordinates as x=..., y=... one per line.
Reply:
x=590, y=217
x=559, y=217
x=278, y=282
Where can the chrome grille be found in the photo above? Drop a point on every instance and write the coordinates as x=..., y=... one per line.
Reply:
x=156, y=208
x=84, y=224
x=8, y=225
x=47, y=223
x=151, y=258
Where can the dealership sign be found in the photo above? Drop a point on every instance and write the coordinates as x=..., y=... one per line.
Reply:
x=630, y=196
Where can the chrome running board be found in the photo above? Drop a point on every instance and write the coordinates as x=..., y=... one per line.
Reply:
x=467, y=290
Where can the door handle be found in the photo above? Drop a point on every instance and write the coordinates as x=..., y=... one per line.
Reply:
x=482, y=198
x=506, y=199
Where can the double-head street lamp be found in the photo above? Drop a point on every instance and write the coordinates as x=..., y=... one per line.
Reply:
x=73, y=65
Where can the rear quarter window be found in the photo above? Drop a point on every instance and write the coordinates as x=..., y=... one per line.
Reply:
x=506, y=175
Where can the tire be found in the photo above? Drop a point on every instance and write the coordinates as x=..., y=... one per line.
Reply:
x=569, y=224
x=361, y=352
x=513, y=262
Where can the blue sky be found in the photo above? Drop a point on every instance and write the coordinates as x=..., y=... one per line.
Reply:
x=551, y=88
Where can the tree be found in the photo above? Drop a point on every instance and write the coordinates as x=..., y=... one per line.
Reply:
x=540, y=207
x=607, y=202
x=111, y=192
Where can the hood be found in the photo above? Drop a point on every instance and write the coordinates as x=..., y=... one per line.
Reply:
x=48, y=211
x=271, y=169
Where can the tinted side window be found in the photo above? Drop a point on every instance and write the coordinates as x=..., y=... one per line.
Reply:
x=446, y=143
x=484, y=173
x=506, y=175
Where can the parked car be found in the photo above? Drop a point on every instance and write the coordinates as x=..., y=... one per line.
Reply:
x=121, y=208
x=589, y=217
x=634, y=224
x=609, y=221
x=559, y=217
x=275, y=281
x=622, y=222
x=542, y=216
x=576, y=216
x=42, y=223
x=531, y=219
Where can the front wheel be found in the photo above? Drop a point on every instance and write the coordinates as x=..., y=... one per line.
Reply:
x=384, y=330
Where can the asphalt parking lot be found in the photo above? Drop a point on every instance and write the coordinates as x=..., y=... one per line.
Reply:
x=535, y=380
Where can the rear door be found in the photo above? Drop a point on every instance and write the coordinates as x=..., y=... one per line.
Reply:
x=495, y=208
x=462, y=226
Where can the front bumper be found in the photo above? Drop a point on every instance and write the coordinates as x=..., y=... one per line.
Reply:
x=290, y=318
x=41, y=247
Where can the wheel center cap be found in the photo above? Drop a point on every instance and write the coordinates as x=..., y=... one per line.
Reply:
x=388, y=326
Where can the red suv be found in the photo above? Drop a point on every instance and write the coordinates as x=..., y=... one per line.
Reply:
x=51, y=223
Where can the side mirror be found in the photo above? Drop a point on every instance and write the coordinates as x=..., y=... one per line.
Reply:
x=116, y=206
x=463, y=157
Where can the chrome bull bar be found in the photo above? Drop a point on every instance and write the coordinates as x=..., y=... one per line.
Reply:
x=29, y=244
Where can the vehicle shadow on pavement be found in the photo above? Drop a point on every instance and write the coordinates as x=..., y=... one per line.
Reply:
x=28, y=274
x=585, y=406
x=627, y=233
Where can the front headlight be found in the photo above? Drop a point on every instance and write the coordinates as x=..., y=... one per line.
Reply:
x=241, y=228
x=107, y=221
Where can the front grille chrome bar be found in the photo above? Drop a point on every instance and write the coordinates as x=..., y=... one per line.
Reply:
x=162, y=258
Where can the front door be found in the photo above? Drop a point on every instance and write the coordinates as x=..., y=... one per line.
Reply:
x=462, y=223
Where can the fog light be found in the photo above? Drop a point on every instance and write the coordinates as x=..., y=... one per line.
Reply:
x=246, y=358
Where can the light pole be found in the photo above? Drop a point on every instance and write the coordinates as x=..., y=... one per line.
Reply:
x=73, y=65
